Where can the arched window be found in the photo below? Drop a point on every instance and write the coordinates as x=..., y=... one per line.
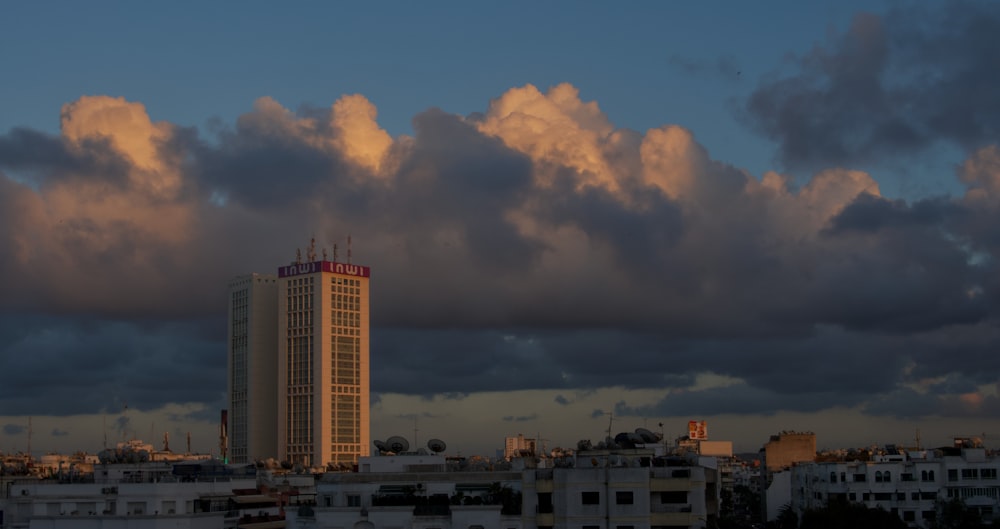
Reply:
x=887, y=477
x=930, y=475
x=878, y=476
x=923, y=475
x=833, y=477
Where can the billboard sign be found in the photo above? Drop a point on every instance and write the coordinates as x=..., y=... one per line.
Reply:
x=297, y=269
x=697, y=430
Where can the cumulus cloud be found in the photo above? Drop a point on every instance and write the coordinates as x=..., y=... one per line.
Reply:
x=533, y=246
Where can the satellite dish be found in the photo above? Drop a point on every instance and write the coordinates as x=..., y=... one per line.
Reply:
x=436, y=445
x=382, y=447
x=397, y=444
x=647, y=436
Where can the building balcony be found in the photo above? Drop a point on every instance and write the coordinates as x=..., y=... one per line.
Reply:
x=672, y=519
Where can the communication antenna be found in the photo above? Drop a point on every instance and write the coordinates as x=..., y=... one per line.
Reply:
x=334, y=252
x=298, y=256
x=29, y=436
x=397, y=444
x=166, y=441
x=189, y=442
x=324, y=254
x=415, y=430
x=349, y=262
x=312, y=250
x=436, y=445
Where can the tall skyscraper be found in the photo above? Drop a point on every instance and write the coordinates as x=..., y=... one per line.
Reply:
x=323, y=371
x=253, y=362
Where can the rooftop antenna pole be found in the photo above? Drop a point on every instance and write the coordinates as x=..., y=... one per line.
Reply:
x=349, y=256
x=415, y=418
x=610, y=422
x=334, y=252
x=311, y=255
x=29, y=436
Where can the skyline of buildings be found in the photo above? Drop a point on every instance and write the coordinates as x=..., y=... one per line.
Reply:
x=302, y=337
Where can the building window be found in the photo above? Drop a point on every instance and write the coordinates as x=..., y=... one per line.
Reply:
x=878, y=476
x=970, y=473
x=952, y=474
x=590, y=497
x=909, y=516
x=354, y=500
x=676, y=496
x=544, y=502
x=623, y=497
x=988, y=473
x=886, y=477
x=833, y=477
x=860, y=477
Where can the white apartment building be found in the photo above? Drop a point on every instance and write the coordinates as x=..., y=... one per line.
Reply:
x=908, y=484
x=252, y=367
x=140, y=496
x=596, y=489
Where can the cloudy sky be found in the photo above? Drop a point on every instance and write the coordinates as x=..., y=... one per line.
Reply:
x=576, y=214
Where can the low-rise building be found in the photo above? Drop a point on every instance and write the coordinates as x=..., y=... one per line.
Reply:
x=910, y=484
x=609, y=488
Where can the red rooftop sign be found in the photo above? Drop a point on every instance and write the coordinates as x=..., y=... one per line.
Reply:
x=323, y=266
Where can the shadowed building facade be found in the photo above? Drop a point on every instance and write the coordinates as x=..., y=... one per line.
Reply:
x=252, y=364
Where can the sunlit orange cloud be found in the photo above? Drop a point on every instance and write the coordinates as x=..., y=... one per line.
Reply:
x=357, y=134
x=981, y=172
x=973, y=399
x=556, y=129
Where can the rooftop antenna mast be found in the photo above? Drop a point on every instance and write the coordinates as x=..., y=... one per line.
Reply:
x=311, y=255
x=334, y=252
x=29, y=436
x=349, y=262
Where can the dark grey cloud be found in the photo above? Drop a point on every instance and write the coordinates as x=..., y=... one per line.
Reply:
x=520, y=418
x=14, y=429
x=890, y=85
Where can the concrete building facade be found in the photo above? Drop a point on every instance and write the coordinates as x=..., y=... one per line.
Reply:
x=602, y=489
x=910, y=485
x=323, y=371
x=252, y=363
